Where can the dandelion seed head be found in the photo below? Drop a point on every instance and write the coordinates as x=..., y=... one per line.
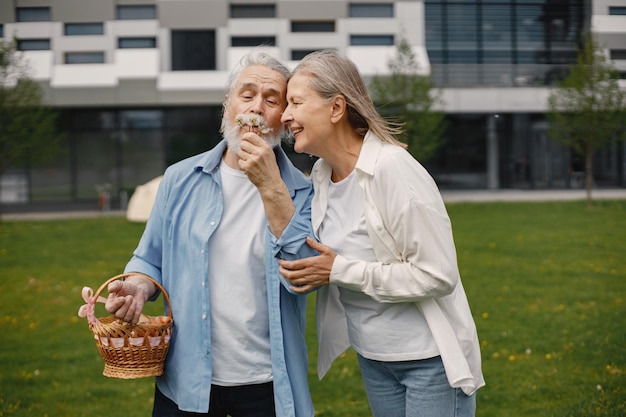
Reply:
x=247, y=122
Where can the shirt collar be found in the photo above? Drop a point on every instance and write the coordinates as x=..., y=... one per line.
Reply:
x=369, y=153
x=211, y=160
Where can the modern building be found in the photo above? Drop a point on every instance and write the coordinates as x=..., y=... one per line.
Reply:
x=496, y=60
x=139, y=84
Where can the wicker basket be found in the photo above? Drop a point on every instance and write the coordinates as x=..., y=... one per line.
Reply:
x=132, y=350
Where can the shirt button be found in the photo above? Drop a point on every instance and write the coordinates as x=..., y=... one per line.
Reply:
x=204, y=317
x=212, y=223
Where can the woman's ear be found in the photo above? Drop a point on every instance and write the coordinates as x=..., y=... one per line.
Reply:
x=338, y=108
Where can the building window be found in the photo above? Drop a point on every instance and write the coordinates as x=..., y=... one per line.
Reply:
x=313, y=26
x=84, y=57
x=618, y=54
x=371, y=40
x=298, y=54
x=371, y=10
x=32, y=14
x=1, y=31
x=253, y=41
x=538, y=33
x=617, y=10
x=33, y=45
x=251, y=11
x=193, y=50
x=136, y=12
x=78, y=29
x=497, y=57
x=136, y=43
x=141, y=119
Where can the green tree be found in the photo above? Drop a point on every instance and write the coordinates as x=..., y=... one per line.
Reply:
x=587, y=108
x=28, y=131
x=409, y=97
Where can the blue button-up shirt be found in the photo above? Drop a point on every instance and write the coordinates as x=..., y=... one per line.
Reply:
x=174, y=251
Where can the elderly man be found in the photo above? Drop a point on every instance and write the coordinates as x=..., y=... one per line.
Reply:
x=220, y=221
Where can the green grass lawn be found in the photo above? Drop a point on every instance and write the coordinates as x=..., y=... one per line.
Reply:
x=546, y=283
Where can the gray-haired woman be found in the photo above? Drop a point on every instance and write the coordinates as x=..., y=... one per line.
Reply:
x=390, y=285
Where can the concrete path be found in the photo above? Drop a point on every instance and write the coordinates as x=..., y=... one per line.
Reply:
x=532, y=195
x=59, y=215
x=449, y=196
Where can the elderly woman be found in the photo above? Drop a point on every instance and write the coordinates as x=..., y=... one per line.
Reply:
x=390, y=285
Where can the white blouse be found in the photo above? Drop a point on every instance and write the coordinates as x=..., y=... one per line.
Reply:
x=411, y=235
x=377, y=331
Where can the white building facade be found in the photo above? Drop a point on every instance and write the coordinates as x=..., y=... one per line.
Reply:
x=139, y=84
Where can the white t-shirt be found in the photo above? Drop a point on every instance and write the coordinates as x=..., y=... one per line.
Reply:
x=239, y=314
x=378, y=331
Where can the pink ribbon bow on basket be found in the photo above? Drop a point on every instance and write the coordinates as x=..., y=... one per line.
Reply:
x=88, y=310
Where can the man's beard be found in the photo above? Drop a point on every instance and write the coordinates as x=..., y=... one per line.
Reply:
x=232, y=133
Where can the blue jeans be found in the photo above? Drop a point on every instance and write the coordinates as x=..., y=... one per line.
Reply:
x=413, y=389
x=242, y=401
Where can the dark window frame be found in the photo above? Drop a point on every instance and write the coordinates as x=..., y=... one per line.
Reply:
x=82, y=55
x=87, y=29
x=22, y=42
x=617, y=10
x=371, y=10
x=298, y=54
x=313, y=26
x=193, y=53
x=617, y=54
x=251, y=41
x=371, y=40
x=252, y=11
x=136, y=12
x=125, y=42
x=22, y=14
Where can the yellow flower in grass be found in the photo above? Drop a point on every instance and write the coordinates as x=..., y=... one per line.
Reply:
x=613, y=370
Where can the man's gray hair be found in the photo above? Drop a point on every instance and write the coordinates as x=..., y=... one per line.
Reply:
x=256, y=57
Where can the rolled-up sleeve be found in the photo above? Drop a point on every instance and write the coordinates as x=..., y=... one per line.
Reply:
x=292, y=243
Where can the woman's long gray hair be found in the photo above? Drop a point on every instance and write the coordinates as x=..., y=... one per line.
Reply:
x=332, y=74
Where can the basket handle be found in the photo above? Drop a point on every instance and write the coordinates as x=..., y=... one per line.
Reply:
x=122, y=276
